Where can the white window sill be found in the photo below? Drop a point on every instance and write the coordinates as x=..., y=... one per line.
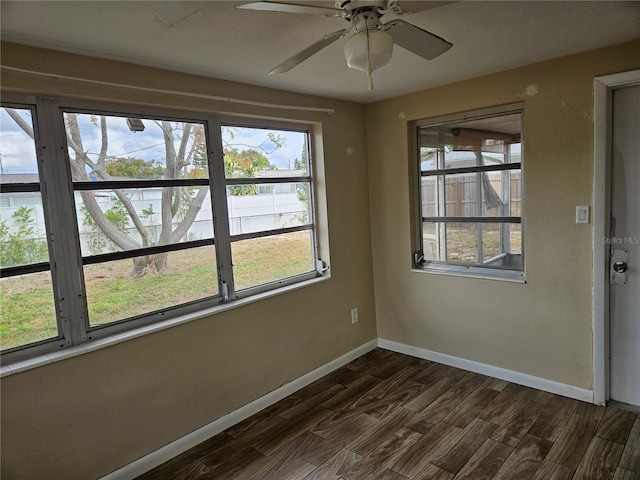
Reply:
x=516, y=277
x=90, y=346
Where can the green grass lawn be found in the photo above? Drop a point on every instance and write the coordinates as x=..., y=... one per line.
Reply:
x=26, y=304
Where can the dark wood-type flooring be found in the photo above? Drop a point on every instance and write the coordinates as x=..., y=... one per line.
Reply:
x=394, y=417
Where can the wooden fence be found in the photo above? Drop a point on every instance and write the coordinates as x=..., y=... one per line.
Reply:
x=461, y=195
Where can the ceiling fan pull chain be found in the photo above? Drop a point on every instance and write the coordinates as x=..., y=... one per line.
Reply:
x=369, y=71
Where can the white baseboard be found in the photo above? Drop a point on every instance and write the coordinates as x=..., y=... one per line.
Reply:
x=525, y=379
x=192, y=439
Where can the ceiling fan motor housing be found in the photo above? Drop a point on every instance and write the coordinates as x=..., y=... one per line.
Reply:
x=355, y=5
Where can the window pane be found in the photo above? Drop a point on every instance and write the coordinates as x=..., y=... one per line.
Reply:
x=462, y=243
x=106, y=147
x=255, y=208
x=429, y=196
x=430, y=241
x=23, y=239
x=484, y=141
x=267, y=259
x=458, y=243
x=259, y=152
x=18, y=162
x=492, y=245
x=430, y=153
x=486, y=194
x=28, y=312
x=125, y=288
x=109, y=223
x=515, y=238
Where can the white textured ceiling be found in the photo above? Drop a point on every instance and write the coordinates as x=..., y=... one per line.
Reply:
x=215, y=39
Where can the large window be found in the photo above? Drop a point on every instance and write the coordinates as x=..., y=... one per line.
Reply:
x=470, y=195
x=111, y=220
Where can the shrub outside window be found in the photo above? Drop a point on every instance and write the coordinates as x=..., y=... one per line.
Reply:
x=470, y=195
x=144, y=217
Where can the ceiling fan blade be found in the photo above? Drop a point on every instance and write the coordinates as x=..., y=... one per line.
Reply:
x=416, y=40
x=268, y=6
x=301, y=56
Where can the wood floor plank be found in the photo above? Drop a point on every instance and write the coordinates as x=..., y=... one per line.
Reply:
x=495, y=384
x=313, y=401
x=500, y=408
x=253, y=427
x=192, y=455
x=574, y=440
x=589, y=410
x=513, y=432
x=507, y=406
x=428, y=447
x=552, y=471
x=284, y=432
x=391, y=369
x=438, y=370
x=371, y=360
x=388, y=474
x=471, y=407
x=437, y=410
x=322, y=452
x=464, y=446
x=622, y=474
x=431, y=472
x=525, y=460
x=289, y=452
x=333, y=468
x=342, y=429
x=486, y=462
x=344, y=376
x=229, y=455
x=294, y=470
x=227, y=463
x=350, y=396
x=390, y=384
x=381, y=431
x=434, y=389
x=193, y=470
x=379, y=405
x=616, y=425
x=553, y=418
x=386, y=454
x=600, y=460
x=631, y=456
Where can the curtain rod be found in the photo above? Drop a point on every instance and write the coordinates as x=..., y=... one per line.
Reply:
x=328, y=111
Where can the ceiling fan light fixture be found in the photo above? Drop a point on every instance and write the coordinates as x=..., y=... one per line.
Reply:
x=368, y=50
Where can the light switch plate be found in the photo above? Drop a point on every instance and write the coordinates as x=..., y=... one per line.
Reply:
x=582, y=214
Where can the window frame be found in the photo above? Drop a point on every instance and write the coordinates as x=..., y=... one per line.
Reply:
x=63, y=240
x=234, y=121
x=419, y=263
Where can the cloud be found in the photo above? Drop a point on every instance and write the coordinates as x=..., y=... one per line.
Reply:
x=16, y=147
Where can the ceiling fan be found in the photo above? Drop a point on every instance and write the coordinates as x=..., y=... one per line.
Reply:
x=375, y=26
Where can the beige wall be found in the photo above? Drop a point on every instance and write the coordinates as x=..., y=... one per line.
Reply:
x=543, y=327
x=84, y=417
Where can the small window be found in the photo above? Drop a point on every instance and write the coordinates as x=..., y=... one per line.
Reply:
x=470, y=191
x=269, y=202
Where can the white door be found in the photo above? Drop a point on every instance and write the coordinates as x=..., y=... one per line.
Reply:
x=624, y=269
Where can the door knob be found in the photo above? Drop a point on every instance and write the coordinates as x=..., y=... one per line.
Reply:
x=620, y=267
